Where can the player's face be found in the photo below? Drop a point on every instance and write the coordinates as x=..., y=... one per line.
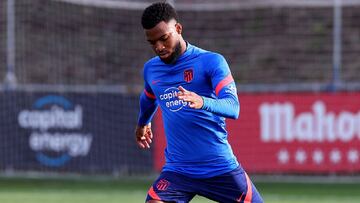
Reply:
x=165, y=40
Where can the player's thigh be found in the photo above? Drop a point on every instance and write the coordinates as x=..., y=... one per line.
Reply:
x=171, y=187
x=234, y=186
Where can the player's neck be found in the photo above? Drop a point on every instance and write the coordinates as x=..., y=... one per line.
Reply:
x=184, y=45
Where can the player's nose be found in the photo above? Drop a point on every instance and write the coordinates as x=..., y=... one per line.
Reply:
x=159, y=47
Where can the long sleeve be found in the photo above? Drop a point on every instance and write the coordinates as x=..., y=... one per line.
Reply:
x=148, y=107
x=226, y=104
x=148, y=102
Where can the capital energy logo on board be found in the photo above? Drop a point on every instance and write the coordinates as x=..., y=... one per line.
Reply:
x=56, y=135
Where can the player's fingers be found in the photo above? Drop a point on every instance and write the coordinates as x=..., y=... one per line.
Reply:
x=150, y=134
x=180, y=93
x=180, y=96
x=148, y=140
x=140, y=144
x=183, y=90
x=139, y=134
x=183, y=96
x=143, y=140
x=187, y=99
x=147, y=145
x=140, y=139
x=192, y=105
x=143, y=144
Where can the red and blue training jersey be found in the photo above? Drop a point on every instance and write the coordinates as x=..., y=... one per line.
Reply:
x=197, y=144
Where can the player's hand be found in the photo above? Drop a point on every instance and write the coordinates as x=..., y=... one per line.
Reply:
x=195, y=101
x=144, y=136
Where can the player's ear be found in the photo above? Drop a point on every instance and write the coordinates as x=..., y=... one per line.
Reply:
x=178, y=28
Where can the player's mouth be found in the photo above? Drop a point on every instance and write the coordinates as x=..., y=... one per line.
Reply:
x=164, y=54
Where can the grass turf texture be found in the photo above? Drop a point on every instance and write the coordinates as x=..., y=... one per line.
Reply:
x=20, y=190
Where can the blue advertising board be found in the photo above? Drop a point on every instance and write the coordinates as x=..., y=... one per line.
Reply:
x=70, y=132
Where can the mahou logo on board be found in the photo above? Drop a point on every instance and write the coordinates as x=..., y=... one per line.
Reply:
x=279, y=123
x=293, y=133
x=309, y=135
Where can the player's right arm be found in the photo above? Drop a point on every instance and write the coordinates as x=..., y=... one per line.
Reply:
x=148, y=107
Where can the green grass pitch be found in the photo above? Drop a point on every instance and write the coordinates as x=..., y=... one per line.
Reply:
x=20, y=190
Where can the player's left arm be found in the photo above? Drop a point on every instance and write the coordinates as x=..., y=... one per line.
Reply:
x=148, y=107
x=226, y=103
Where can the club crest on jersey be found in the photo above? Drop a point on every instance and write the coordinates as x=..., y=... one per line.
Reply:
x=188, y=75
x=162, y=184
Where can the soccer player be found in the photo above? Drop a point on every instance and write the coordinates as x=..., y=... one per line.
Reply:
x=196, y=92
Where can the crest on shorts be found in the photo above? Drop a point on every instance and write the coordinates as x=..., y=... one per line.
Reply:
x=188, y=75
x=162, y=184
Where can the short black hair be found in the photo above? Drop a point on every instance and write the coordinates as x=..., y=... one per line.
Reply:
x=157, y=12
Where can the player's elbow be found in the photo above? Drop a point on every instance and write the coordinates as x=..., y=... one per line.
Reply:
x=236, y=111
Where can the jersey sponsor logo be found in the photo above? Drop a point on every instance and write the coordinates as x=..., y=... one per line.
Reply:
x=162, y=185
x=188, y=75
x=171, y=101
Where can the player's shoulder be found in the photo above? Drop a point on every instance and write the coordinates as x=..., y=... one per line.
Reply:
x=209, y=56
x=155, y=61
x=213, y=59
x=214, y=56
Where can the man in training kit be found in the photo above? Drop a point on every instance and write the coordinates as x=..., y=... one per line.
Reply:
x=196, y=92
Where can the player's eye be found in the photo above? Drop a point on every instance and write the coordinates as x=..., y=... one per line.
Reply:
x=164, y=38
